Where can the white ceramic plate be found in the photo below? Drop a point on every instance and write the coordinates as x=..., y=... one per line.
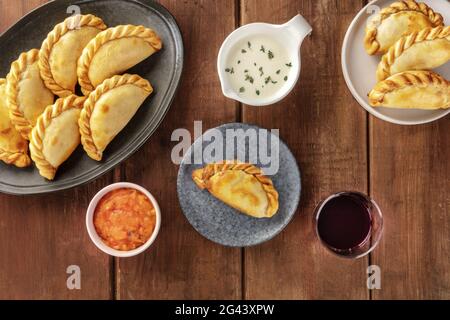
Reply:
x=359, y=68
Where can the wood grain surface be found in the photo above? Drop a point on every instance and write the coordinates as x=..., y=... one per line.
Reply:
x=326, y=130
x=337, y=145
x=41, y=236
x=410, y=180
x=183, y=264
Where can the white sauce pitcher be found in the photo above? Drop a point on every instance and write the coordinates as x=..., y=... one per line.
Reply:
x=289, y=35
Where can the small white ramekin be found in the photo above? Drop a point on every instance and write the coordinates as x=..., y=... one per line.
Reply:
x=96, y=238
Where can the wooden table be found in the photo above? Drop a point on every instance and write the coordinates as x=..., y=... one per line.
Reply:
x=338, y=146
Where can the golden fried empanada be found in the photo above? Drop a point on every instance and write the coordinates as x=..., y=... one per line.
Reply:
x=399, y=19
x=423, y=50
x=114, y=51
x=27, y=95
x=412, y=90
x=56, y=135
x=60, y=51
x=13, y=147
x=242, y=186
x=108, y=109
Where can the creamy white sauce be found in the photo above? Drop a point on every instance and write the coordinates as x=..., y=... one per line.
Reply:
x=258, y=67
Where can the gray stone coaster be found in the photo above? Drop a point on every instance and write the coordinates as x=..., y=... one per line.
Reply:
x=222, y=224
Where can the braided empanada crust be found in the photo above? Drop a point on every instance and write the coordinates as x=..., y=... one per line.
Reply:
x=12, y=91
x=18, y=159
x=111, y=34
x=407, y=42
x=70, y=24
x=85, y=118
x=38, y=133
x=371, y=43
x=414, y=79
x=202, y=179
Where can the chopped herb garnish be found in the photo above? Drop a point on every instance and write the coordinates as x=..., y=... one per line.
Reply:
x=257, y=92
x=285, y=78
x=278, y=71
x=261, y=71
x=289, y=64
x=262, y=49
x=239, y=61
x=249, y=44
x=269, y=79
x=249, y=78
x=270, y=55
x=242, y=89
x=254, y=63
x=230, y=70
x=244, y=51
x=246, y=70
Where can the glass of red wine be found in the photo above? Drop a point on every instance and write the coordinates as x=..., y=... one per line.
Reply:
x=349, y=224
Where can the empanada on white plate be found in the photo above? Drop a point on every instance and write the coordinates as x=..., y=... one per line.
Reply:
x=114, y=51
x=108, y=110
x=60, y=51
x=13, y=147
x=242, y=186
x=412, y=90
x=56, y=135
x=423, y=50
x=399, y=19
x=26, y=92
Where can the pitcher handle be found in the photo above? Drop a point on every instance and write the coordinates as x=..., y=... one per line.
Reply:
x=300, y=27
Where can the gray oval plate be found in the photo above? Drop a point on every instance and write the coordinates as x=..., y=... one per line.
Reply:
x=163, y=70
x=222, y=224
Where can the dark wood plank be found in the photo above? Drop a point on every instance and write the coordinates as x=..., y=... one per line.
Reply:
x=410, y=173
x=41, y=236
x=326, y=130
x=182, y=264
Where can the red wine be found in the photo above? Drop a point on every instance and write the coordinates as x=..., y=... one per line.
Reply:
x=344, y=221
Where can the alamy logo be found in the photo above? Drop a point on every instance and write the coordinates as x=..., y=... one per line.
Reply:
x=373, y=11
x=374, y=279
x=74, y=280
x=75, y=11
x=252, y=145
